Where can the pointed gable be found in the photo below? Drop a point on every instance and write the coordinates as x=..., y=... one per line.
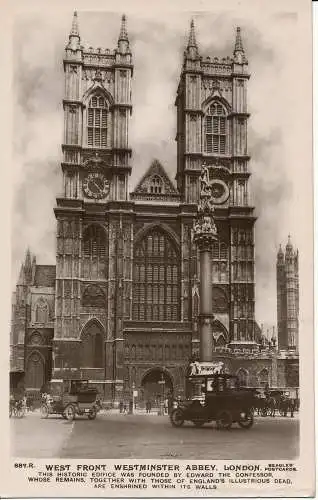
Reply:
x=155, y=185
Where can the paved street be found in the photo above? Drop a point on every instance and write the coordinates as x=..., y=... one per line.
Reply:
x=114, y=436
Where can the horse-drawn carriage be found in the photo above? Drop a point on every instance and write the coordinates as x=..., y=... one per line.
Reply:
x=70, y=398
x=275, y=401
x=17, y=407
x=216, y=396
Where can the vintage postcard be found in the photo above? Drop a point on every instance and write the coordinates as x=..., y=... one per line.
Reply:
x=159, y=335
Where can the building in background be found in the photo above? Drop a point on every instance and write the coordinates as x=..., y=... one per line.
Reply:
x=120, y=307
x=287, y=297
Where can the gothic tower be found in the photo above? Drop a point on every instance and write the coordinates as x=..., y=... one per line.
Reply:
x=287, y=297
x=212, y=118
x=95, y=166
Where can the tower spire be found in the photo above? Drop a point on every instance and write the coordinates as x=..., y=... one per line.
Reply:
x=74, y=36
x=239, y=53
x=289, y=246
x=123, y=29
x=192, y=48
x=74, y=30
x=123, y=40
x=21, y=279
x=192, y=38
x=238, y=41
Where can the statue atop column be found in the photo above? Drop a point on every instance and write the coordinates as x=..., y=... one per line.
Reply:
x=204, y=226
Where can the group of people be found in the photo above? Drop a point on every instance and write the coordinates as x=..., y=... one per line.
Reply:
x=149, y=405
x=17, y=406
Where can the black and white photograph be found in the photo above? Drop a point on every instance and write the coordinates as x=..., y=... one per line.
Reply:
x=161, y=248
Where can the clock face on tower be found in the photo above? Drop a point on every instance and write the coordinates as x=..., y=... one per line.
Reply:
x=96, y=185
x=219, y=191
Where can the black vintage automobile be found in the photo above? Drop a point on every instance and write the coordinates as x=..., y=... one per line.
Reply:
x=70, y=398
x=216, y=396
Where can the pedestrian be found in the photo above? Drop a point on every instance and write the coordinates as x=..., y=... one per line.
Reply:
x=131, y=407
x=166, y=406
x=121, y=406
x=148, y=406
x=170, y=401
x=292, y=407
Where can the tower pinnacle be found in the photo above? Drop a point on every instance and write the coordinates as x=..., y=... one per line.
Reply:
x=123, y=40
x=280, y=255
x=123, y=29
x=74, y=30
x=21, y=279
x=289, y=246
x=192, y=47
x=239, y=53
x=192, y=39
x=74, y=36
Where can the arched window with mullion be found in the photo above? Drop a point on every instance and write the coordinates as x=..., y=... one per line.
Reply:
x=94, y=253
x=215, y=129
x=97, y=121
x=156, y=294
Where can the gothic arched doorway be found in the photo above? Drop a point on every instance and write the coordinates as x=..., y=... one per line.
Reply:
x=91, y=354
x=35, y=372
x=156, y=385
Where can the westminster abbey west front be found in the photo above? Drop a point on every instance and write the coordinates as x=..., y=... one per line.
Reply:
x=120, y=307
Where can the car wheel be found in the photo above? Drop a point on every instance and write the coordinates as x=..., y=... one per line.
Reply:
x=44, y=411
x=224, y=420
x=246, y=419
x=69, y=413
x=176, y=417
x=92, y=414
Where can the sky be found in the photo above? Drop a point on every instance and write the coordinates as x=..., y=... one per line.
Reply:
x=281, y=176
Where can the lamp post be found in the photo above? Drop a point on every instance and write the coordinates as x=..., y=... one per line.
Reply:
x=162, y=403
x=205, y=233
x=133, y=398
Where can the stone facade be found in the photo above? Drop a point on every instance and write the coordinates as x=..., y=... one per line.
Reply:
x=122, y=302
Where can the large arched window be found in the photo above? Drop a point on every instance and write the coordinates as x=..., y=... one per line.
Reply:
x=215, y=129
x=35, y=371
x=92, y=346
x=220, y=261
x=94, y=253
x=156, y=295
x=97, y=121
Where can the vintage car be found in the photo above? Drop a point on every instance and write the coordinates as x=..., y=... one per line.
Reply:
x=70, y=398
x=214, y=396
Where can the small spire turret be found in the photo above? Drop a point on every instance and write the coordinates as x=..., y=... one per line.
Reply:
x=123, y=29
x=74, y=36
x=28, y=267
x=28, y=264
x=280, y=255
x=192, y=51
x=289, y=247
x=239, y=53
x=21, y=280
x=123, y=40
x=74, y=30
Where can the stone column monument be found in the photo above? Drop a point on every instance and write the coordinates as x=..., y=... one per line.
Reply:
x=205, y=233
